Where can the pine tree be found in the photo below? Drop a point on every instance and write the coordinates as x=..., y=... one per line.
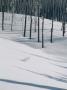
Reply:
x=3, y=9
x=31, y=18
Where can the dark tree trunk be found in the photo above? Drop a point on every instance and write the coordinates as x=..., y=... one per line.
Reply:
x=43, y=32
x=2, y=21
x=63, y=28
x=52, y=21
x=25, y=21
x=30, y=27
x=2, y=15
x=38, y=26
x=12, y=21
x=35, y=19
x=31, y=19
x=64, y=18
x=51, y=35
x=35, y=25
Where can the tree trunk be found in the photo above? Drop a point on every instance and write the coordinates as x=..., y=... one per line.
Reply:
x=31, y=19
x=25, y=22
x=38, y=26
x=43, y=32
x=2, y=20
x=2, y=15
x=63, y=28
x=52, y=21
x=12, y=21
x=30, y=27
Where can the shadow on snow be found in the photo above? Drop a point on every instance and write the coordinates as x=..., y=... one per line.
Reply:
x=31, y=84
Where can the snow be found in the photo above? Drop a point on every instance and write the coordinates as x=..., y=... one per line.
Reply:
x=24, y=65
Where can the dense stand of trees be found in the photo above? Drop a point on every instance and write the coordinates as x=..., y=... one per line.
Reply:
x=51, y=9
x=19, y=7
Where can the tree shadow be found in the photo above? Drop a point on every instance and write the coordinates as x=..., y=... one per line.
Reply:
x=43, y=57
x=34, y=43
x=59, y=66
x=31, y=84
x=45, y=75
x=63, y=75
x=47, y=58
x=29, y=42
x=56, y=39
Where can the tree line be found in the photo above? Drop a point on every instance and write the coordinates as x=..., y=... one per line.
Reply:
x=50, y=9
x=18, y=6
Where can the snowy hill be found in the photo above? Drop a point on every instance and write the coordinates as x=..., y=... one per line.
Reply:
x=24, y=65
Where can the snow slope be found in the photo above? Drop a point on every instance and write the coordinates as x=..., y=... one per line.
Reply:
x=24, y=65
x=25, y=68
x=59, y=45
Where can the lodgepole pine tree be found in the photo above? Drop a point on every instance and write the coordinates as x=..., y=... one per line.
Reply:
x=64, y=16
x=35, y=19
x=13, y=9
x=31, y=18
x=43, y=32
x=42, y=24
x=52, y=21
x=25, y=18
x=2, y=1
x=38, y=26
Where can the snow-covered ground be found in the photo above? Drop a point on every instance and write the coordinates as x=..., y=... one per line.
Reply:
x=24, y=65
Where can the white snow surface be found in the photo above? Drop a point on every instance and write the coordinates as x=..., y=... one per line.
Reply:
x=23, y=66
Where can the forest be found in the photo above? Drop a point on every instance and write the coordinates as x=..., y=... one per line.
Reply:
x=55, y=9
